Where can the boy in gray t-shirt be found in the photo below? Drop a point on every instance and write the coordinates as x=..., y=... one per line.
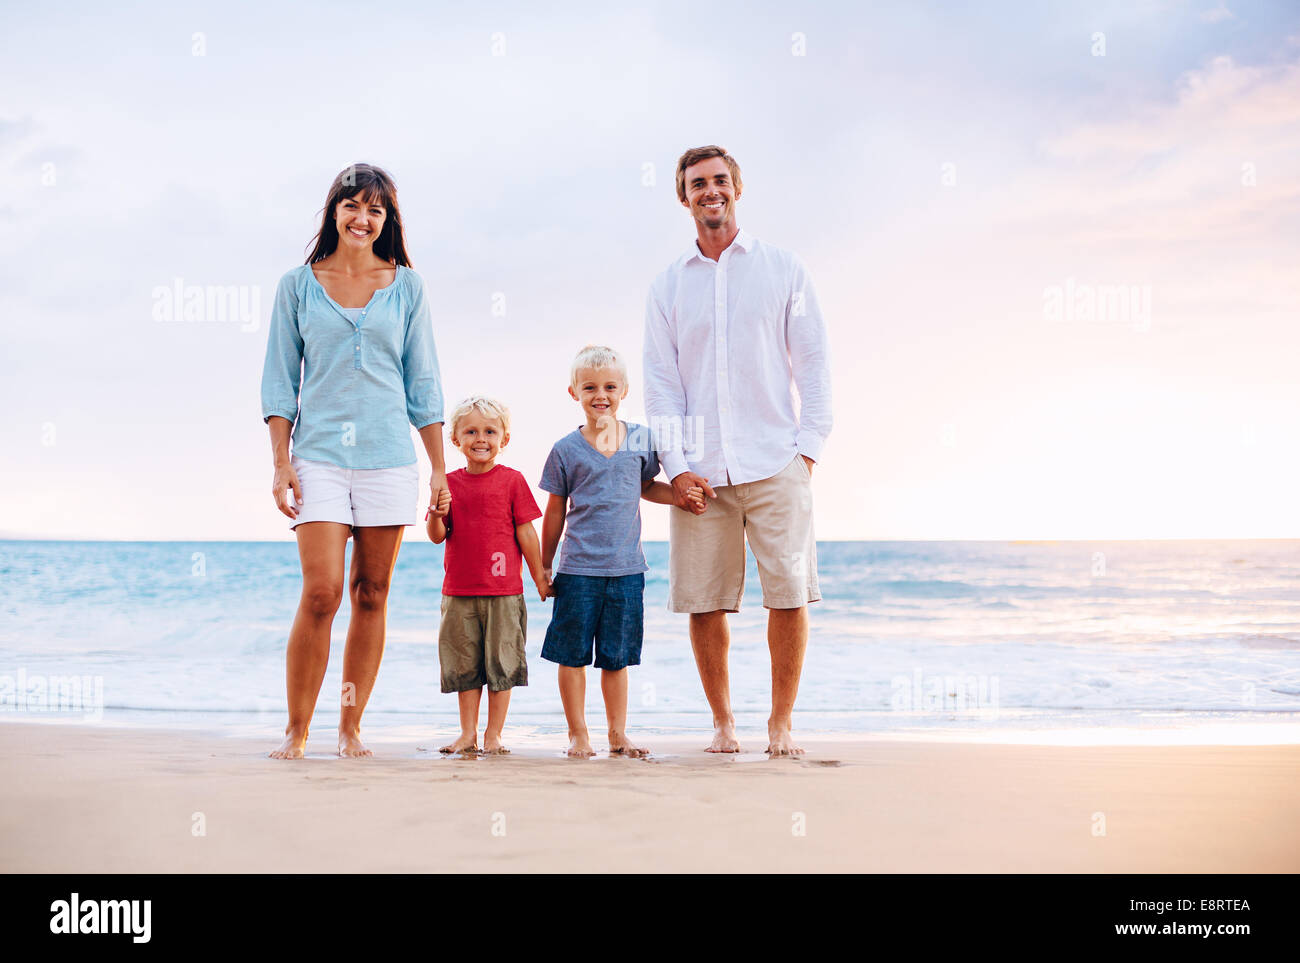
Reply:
x=596, y=476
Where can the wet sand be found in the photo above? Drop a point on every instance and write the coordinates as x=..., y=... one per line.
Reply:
x=89, y=799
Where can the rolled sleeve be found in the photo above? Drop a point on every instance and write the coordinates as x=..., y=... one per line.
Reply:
x=649, y=467
x=282, y=370
x=420, y=374
x=665, y=396
x=809, y=363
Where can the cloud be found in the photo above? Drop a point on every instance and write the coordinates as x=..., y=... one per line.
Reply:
x=1216, y=14
x=1220, y=100
x=1214, y=164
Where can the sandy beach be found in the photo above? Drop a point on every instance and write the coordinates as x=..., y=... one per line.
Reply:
x=86, y=799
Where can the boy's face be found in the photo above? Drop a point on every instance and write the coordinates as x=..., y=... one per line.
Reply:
x=599, y=390
x=480, y=438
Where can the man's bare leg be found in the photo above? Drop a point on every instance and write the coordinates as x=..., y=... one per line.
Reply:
x=374, y=554
x=787, y=638
x=613, y=686
x=321, y=546
x=711, y=640
x=498, y=704
x=573, y=695
x=467, y=701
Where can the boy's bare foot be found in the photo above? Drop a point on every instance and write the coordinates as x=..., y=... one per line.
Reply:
x=580, y=747
x=350, y=745
x=781, y=743
x=620, y=745
x=294, y=745
x=492, y=745
x=724, y=739
x=465, y=743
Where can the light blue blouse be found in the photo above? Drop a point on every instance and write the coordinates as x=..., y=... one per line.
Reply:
x=350, y=387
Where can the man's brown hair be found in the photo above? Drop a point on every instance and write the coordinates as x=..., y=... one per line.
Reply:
x=697, y=154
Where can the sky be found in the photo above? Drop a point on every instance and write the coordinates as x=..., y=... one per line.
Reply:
x=963, y=185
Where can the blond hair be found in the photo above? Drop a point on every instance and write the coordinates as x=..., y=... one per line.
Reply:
x=485, y=406
x=597, y=356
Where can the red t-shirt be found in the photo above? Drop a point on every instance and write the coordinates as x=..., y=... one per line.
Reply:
x=481, y=555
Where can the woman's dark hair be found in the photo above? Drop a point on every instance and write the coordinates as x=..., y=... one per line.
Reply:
x=375, y=187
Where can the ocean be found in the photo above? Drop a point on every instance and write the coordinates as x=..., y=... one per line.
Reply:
x=996, y=640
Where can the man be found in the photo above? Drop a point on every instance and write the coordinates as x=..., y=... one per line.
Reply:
x=728, y=325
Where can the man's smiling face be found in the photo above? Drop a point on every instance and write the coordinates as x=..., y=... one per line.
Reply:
x=710, y=193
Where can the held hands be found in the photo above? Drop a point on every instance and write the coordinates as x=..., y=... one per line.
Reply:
x=545, y=590
x=286, y=478
x=689, y=490
x=442, y=505
x=439, y=496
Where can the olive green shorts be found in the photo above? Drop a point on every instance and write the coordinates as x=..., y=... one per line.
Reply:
x=481, y=642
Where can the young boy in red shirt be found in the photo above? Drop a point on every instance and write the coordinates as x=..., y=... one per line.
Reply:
x=485, y=517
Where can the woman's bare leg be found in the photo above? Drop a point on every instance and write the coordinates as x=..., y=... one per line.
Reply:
x=374, y=553
x=321, y=547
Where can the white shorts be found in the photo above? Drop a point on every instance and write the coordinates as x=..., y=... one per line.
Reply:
x=359, y=497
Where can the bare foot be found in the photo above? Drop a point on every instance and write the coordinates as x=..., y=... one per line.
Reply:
x=781, y=743
x=724, y=739
x=620, y=745
x=580, y=747
x=350, y=745
x=468, y=742
x=294, y=745
x=492, y=745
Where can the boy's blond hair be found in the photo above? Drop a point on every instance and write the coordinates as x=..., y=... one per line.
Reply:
x=485, y=406
x=597, y=356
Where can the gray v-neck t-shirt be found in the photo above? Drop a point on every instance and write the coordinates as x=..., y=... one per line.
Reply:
x=602, y=530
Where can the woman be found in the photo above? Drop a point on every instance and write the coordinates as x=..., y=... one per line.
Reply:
x=349, y=361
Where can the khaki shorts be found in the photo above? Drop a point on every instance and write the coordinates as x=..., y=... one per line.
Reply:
x=481, y=642
x=706, y=568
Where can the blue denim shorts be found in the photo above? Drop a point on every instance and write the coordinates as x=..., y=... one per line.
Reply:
x=604, y=610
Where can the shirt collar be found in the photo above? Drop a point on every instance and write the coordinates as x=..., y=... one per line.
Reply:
x=742, y=240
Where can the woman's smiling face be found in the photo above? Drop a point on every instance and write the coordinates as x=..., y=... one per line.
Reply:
x=359, y=220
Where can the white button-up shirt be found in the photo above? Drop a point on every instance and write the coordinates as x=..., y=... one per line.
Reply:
x=722, y=342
